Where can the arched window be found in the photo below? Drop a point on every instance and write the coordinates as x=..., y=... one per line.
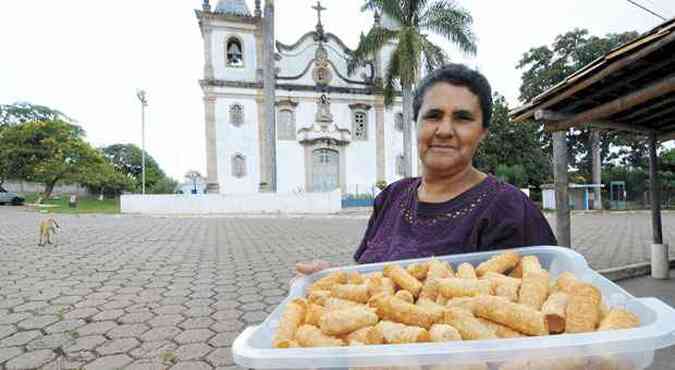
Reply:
x=400, y=165
x=398, y=121
x=236, y=115
x=360, y=125
x=238, y=165
x=234, y=53
x=286, y=125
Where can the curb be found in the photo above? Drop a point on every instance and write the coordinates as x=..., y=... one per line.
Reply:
x=630, y=271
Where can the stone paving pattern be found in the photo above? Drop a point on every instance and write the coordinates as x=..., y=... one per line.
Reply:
x=141, y=292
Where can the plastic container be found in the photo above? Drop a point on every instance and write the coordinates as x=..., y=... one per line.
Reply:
x=611, y=350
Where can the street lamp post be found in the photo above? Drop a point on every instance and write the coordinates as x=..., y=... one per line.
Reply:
x=144, y=103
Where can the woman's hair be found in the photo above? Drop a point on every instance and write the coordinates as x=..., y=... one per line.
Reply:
x=457, y=75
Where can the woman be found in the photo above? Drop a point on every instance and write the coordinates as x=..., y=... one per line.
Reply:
x=453, y=208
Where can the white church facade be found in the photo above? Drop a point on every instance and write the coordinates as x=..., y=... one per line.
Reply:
x=331, y=128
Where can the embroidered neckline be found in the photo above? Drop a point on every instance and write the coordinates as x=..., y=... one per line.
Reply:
x=463, y=205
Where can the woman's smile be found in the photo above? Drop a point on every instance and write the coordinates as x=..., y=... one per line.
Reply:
x=442, y=148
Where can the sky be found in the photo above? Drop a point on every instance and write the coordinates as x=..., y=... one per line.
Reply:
x=87, y=58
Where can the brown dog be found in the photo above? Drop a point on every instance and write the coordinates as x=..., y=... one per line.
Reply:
x=48, y=227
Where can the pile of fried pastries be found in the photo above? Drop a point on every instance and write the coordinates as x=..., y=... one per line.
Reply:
x=507, y=296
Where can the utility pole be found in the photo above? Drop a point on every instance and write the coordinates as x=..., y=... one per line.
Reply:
x=144, y=103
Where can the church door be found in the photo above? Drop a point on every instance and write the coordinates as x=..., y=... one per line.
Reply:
x=325, y=167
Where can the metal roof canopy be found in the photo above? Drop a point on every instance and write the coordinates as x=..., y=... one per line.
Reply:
x=631, y=88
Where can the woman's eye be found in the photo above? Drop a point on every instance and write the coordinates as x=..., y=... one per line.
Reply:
x=464, y=117
x=432, y=116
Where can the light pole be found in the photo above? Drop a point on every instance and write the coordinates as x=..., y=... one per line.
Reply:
x=144, y=103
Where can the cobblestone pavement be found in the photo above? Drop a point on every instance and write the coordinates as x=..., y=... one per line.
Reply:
x=144, y=292
x=138, y=292
x=665, y=291
x=613, y=239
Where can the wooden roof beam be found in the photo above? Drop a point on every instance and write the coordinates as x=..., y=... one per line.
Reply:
x=655, y=90
x=552, y=125
x=551, y=119
x=667, y=132
x=655, y=115
x=667, y=137
x=648, y=108
x=667, y=128
x=603, y=73
x=627, y=82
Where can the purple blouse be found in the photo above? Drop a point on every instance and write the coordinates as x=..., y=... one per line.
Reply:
x=491, y=215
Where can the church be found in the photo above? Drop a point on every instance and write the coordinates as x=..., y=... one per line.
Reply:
x=288, y=117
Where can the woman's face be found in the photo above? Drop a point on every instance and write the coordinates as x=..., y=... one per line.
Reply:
x=451, y=127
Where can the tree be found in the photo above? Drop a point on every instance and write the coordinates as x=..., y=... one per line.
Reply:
x=515, y=175
x=127, y=158
x=632, y=150
x=21, y=112
x=667, y=157
x=667, y=175
x=636, y=177
x=413, y=48
x=165, y=185
x=50, y=151
x=14, y=157
x=544, y=66
x=104, y=179
x=510, y=145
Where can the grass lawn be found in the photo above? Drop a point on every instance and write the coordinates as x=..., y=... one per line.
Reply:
x=84, y=205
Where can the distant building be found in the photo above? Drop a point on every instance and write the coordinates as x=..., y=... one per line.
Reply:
x=194, y=183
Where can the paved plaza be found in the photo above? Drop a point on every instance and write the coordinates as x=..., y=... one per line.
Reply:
x=141, y=292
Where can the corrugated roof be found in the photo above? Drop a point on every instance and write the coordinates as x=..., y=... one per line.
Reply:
x=235, y=7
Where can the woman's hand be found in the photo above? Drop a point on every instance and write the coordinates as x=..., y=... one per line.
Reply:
x=307, y=268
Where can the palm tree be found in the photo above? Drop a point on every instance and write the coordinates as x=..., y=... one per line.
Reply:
x=413, y=48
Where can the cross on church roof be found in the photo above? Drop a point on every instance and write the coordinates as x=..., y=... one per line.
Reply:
x=318, y=9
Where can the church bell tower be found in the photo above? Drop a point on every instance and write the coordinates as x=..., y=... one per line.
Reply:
x=232, y=84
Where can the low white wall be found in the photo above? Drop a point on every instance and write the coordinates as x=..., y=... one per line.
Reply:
x=232, y=203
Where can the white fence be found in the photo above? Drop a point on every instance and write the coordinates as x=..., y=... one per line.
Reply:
x=315, y=203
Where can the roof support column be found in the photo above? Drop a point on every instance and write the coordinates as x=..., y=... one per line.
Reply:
x=659, y=260
x=562, y=200
x=597, y=168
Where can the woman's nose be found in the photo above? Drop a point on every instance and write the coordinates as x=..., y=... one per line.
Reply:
x=445, y=128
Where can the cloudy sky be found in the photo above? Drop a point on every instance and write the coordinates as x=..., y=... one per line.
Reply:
x=88, y=57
